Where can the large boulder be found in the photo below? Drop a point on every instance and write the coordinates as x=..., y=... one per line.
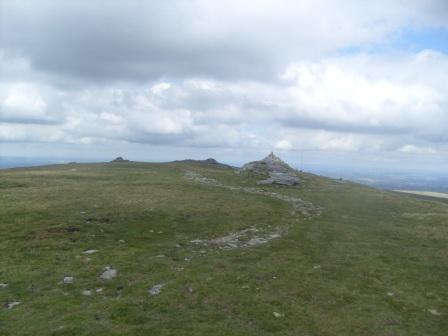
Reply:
x=278, y=171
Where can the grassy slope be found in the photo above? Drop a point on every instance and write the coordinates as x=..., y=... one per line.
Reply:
x=367, y=243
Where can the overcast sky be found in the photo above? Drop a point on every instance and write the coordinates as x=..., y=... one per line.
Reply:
x=347, y=81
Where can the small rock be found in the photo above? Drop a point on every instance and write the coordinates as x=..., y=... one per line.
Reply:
x=434, y=312
x=391, y=323
x=90, y=251
x=11, y=305
x=68, y=280
x=316, y=267
x=87, y=292
x=277, y=315
x=160, y=232
x=108, y=273
x=3, y=285
x=99, y=290
x=390, y=294
x=189, y=289
x=155, y=290
x=121, y=241
x=177, y=246
x=160, y=256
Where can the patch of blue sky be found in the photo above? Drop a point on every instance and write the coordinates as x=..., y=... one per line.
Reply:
x=407, y=40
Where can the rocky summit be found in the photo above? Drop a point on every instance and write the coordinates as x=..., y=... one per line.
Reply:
x=279, y=172
x=119, y=159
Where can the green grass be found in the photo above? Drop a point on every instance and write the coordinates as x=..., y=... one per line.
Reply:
x=328, y=275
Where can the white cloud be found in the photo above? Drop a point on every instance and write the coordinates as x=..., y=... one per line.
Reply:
x=283, y=144
x=412, y=149
x=160, y=87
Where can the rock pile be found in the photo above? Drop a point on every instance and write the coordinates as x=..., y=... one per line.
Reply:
x=279, y=172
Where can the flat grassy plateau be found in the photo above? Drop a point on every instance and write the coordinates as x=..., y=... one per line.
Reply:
x=367, y=262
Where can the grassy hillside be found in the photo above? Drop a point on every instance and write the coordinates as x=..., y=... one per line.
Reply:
x=351, y=261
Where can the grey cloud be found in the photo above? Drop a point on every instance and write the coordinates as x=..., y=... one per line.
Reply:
x=139, y=41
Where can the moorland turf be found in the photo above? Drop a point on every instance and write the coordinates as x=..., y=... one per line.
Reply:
x=372, y=263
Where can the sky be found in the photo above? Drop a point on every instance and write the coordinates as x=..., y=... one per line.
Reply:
x=340, y=82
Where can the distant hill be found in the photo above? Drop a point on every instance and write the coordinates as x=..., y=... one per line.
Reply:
x=119, y=159
x=208, y=162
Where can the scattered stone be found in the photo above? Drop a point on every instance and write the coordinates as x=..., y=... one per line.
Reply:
x=390, y=294
x=178, y=269
x=90, y=251
x=3, y=285
x=189, y=289
x=87, y=292
x=108, y=273
x=160, y=256
x=434, y=312
x=99, y=290
x=316, y=267
x=177, y=246
x=155, y=290
x=299, y=206
x=195, y=177
x=197, y=241
x=121, y=241
x=277, y=315
x=11, y=305
x=239, y=239
x=67, y=280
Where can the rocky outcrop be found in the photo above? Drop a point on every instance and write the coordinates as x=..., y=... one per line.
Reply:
x=278, y=171
x=207, y=162
x=119, y=159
